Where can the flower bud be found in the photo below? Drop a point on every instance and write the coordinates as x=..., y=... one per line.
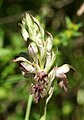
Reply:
x=32, y=29
x=33, y=50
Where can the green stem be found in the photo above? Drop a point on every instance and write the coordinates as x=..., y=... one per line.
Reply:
x=44, y=104
x=28, y=107
x=43, y=107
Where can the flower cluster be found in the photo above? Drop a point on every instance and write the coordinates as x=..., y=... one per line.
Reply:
x=40, y=58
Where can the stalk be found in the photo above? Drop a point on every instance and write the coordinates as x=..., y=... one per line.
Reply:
x=43, y=107
x=28, y=107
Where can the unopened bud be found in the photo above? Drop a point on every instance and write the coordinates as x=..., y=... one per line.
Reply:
x=33, y=50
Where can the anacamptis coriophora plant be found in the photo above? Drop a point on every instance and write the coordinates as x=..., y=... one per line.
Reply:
x=41, y=62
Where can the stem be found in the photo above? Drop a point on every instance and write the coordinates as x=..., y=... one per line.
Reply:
x=28, y=107
x=44, y=104
x=43, y=107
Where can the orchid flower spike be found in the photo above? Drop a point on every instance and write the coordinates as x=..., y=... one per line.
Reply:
x=39, y=59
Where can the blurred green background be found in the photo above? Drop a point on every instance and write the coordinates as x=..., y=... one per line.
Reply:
x=65, y=20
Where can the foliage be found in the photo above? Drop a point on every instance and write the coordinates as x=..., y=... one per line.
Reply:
x=14, y=88
x=68, y=34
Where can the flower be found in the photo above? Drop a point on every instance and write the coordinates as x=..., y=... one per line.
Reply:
x=60, y=73
x=40, y=49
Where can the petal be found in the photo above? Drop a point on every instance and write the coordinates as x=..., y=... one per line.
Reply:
x=50, y=61
x=24, y=33
x=19, y=59
x=33, y=51
x=22, y=57
x=59, y=74
x=64, y=68
x=62, y=80
x=62, y=85
x=49, y=41
x=27, y=68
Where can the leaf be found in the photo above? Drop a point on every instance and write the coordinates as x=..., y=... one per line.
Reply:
x=4, y=51
x=14, y=79
x=16, y=40
x=3, y=93
x=1, y=38
x=80, y=96
x=69, y=23
x=43, y=117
